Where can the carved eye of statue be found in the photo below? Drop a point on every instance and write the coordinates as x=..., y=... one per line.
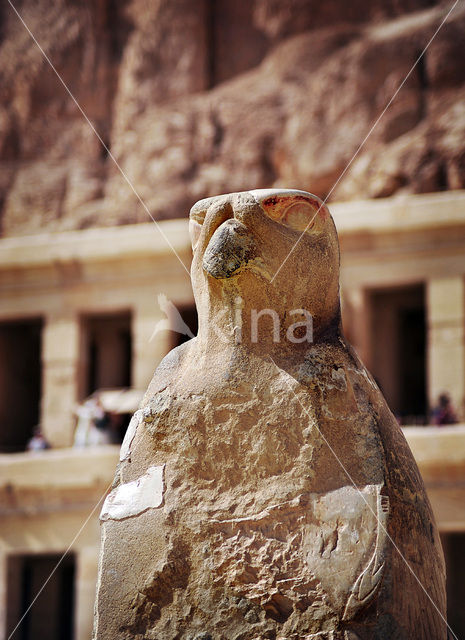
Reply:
x=299, y=213
x=298, y=216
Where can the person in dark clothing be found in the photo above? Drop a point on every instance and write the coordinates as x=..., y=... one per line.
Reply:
x=444, y=413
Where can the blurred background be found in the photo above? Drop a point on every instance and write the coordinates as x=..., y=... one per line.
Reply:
x=193, y=98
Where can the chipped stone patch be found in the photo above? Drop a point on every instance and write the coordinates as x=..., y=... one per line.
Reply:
x=133, y=498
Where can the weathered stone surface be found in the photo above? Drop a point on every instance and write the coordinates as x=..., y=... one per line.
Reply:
x=291, y=504
x=197, y=97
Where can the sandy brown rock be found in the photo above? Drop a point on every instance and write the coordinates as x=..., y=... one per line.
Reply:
x=195, y=98
x=264, y=488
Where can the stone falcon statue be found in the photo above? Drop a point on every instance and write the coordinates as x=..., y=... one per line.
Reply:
x=264, y=489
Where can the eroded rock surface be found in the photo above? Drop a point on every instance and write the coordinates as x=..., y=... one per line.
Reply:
x=283, y=500
x=195, y=97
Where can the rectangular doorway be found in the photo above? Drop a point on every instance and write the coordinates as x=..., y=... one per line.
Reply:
x=106, y=352
x=20, y=382
x=398, y=350
x=52, y=615
x=453, y=545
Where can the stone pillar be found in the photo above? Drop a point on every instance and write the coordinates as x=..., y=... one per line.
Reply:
x=148, y=349
x=446, y=339
x=3, y=593
x=86, y=580
x=356, y=315
x=60, y=359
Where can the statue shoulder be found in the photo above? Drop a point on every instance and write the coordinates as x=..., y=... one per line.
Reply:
x=167, y=370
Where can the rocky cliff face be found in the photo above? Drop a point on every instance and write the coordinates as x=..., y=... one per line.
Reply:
x=198, y=97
